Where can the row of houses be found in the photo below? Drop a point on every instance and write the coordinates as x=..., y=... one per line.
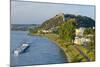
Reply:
x=49, y=30
x=80, y=39
x=44, y=31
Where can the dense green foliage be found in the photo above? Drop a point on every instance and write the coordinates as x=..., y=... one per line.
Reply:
x=91, y=45
x=67, y=30
x=89, y=31
x=53, y=22
x=33, y=30
x=82, y=21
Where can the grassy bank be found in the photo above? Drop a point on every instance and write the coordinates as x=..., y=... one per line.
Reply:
x=72, y=54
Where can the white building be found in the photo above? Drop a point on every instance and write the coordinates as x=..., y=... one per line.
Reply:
x=81, y=41
x=44, y=31
x=79, y=31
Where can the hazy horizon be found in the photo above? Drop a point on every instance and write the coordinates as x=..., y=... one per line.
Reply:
x=37, y=13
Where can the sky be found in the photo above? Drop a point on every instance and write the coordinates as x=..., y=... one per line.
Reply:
x=36, y=13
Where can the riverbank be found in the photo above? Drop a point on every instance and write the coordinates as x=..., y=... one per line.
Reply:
x=54, y=38
x=72, y=54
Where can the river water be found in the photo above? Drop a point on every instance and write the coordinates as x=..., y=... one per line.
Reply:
x=41, y=50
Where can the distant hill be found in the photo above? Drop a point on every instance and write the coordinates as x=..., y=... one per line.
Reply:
x=60, y=18
x=23, y=27
x=82, y=21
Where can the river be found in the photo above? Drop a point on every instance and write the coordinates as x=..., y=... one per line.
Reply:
x=41, y=50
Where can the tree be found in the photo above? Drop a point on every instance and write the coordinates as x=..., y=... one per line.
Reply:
x=91, y=44
x=89, y=31
x=33, y=30
x=67, y=30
